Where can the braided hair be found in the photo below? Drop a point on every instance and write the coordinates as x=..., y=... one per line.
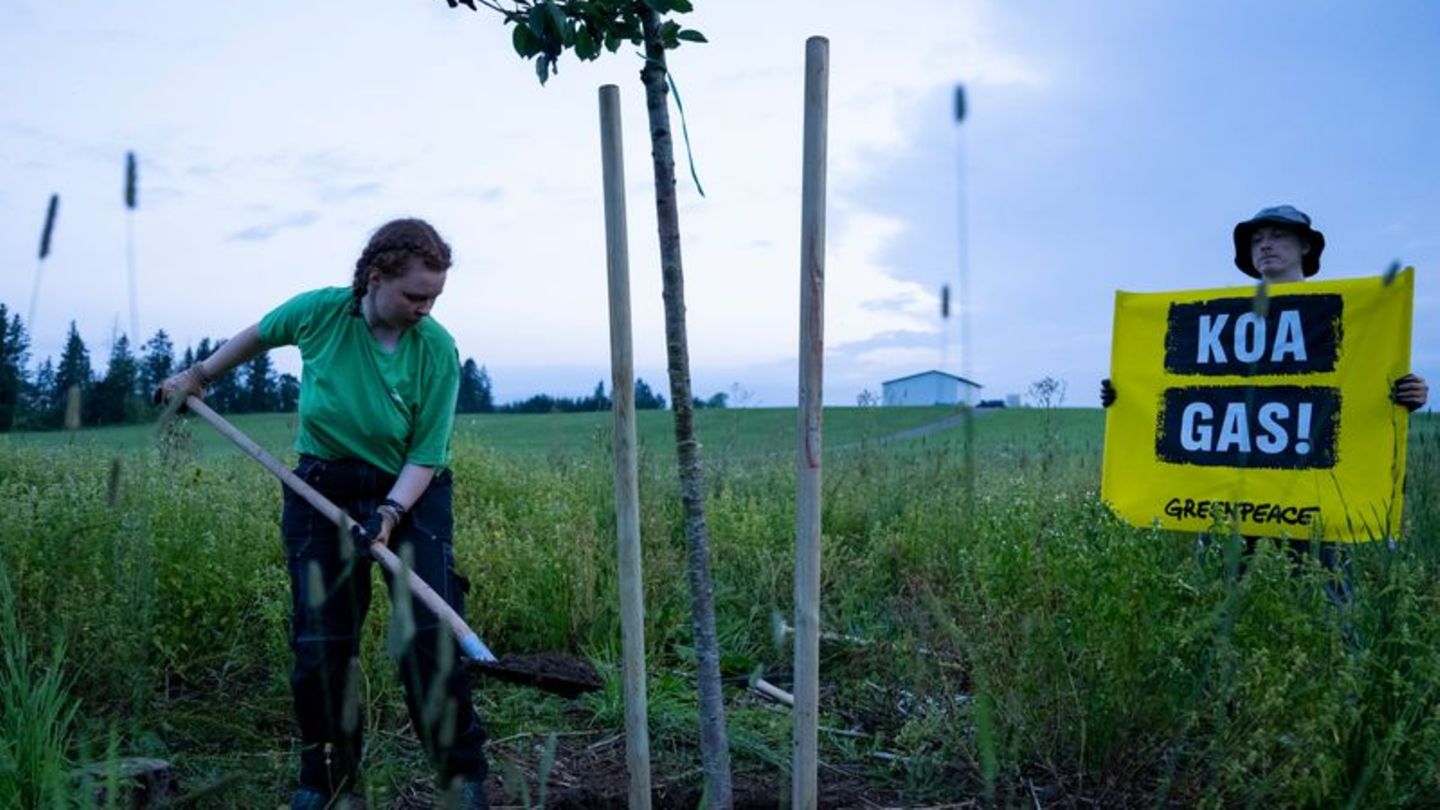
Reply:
x=390, y=250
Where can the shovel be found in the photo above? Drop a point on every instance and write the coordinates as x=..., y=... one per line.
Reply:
x=559, y=674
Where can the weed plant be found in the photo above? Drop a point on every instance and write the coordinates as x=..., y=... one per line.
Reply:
x=1029, y=649
x=36, y=714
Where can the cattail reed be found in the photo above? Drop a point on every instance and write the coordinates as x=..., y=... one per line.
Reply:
x=130, y=180
x=45, y=234
x=49, y=225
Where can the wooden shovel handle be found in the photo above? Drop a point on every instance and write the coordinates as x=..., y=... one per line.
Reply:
x=470, y=643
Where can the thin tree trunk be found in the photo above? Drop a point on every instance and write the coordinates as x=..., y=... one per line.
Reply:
x=714, y=746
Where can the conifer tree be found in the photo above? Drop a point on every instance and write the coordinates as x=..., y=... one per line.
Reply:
x=73, y=372
x=14, y=356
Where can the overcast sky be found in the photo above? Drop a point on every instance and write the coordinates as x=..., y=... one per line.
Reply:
x=1109, y=145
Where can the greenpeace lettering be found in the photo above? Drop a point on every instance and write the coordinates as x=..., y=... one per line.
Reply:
x=1241, y=511
x=1299, y=334
x=1277, y=427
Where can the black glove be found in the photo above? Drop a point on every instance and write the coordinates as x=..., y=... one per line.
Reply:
x=1107, y=393
x=1410, y=392
x=372, y=528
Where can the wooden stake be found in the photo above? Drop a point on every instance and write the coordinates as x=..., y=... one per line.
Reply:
x=72, y=408
x=627, y=490
x=804, y=789
x=773, y=692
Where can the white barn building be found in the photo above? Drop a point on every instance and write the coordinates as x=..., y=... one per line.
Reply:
x=930, y=388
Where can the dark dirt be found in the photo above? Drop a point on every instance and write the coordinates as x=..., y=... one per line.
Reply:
x=589, y=767
x=589, y=774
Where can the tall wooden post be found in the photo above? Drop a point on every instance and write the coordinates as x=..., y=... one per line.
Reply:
x=804, y=790
x=627, y=498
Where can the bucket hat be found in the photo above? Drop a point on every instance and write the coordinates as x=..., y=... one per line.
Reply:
x=1281, y=216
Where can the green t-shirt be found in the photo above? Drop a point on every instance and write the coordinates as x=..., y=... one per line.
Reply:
x=357, y=400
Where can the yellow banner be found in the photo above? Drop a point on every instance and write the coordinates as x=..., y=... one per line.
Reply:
x=1269, y=411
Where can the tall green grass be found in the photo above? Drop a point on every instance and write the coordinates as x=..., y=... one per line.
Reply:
x=37, y=714
x=1030, y=649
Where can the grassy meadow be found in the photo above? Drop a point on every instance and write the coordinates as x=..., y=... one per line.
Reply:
x=1007, y=640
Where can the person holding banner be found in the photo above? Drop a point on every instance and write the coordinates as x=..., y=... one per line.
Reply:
x=1277, y=246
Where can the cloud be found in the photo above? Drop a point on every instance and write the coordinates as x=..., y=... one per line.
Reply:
x=903, y=302
x=159, y=195
x=484, y=194
x=897, y=359
x=352, y=192
x=58, y=145
x=865, y=296
x=885, y=347
x=332, y=167
x=260, y=233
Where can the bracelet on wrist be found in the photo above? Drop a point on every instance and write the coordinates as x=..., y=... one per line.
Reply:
x=198, y=370
x=392, y=511
x=388, y=514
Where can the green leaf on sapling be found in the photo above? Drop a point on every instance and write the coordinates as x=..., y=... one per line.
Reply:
x=536, y=21
x=585, y=46
x=555, y=20
x=525, y=42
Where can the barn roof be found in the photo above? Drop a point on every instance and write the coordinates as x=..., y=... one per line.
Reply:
x=933, y=371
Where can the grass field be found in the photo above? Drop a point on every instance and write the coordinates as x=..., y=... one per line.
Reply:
x=727, y=433
x=1016, y=644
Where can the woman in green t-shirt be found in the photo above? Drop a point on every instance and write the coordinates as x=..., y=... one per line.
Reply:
x=377, y=404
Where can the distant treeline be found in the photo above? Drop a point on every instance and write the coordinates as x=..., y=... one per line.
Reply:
x=39, y=400
x=475, y=397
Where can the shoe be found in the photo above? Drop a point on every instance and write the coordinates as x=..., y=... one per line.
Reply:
x=307, y=799
x=470, y=796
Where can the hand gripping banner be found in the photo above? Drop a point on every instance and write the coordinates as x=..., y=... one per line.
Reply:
x=1266, y=410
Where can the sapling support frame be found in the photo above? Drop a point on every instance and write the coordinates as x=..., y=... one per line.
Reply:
x=804, y=788
x=627, y=489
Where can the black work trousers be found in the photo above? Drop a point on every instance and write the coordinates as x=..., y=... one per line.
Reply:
x=330, y=594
